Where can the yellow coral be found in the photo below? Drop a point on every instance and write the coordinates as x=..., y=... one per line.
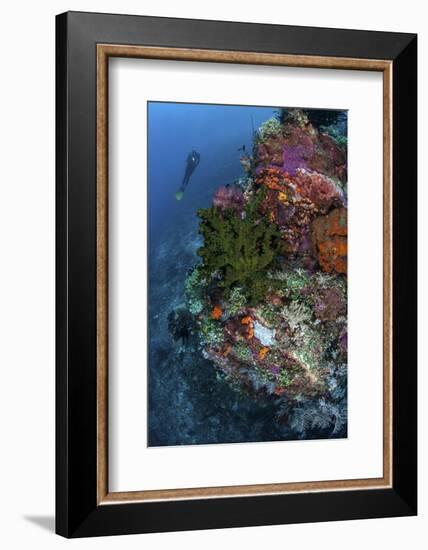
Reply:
x=282, y=196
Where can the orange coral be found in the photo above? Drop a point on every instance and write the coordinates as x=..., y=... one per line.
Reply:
x=329, y=234
x=247, y=320
x=272, y=178
x=249, y=323
x=216, y=313
x=262, y=353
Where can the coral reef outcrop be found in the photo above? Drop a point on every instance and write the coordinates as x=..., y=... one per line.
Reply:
x=269, y=297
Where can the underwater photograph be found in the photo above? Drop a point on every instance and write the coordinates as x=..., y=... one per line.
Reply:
x=247, y=274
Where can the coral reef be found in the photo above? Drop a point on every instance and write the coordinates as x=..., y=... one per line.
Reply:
x=269, y=298
x=297, y=144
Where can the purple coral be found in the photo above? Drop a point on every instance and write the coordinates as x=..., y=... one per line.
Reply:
x=330, y=304
x=305, y=246
x=294, y=157
x=274, y=369
x=285, y=214
x=229, y=198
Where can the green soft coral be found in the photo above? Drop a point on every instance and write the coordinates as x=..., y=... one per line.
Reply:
x=238, y=248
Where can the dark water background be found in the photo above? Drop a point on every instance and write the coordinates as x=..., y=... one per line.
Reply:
x=187, y=403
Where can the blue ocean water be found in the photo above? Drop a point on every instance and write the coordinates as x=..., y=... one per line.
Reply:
x=175, y=129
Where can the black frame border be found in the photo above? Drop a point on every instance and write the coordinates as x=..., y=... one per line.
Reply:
x=77, y=512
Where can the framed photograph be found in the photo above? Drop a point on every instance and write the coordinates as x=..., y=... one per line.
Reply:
x=236, y=274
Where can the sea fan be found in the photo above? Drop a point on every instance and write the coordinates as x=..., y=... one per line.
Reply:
x=341, y=418
x=318, y=416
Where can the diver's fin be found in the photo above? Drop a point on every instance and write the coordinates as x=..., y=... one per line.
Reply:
x=179, y=195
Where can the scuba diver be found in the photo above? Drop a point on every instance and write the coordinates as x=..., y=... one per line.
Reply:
x=193, y=159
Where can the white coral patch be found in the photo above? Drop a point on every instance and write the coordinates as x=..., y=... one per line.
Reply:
x=265, y=335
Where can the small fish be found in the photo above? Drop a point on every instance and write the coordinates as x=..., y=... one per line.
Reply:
x=242, y=149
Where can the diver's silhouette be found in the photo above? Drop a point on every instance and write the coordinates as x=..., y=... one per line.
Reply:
x=193, y=159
